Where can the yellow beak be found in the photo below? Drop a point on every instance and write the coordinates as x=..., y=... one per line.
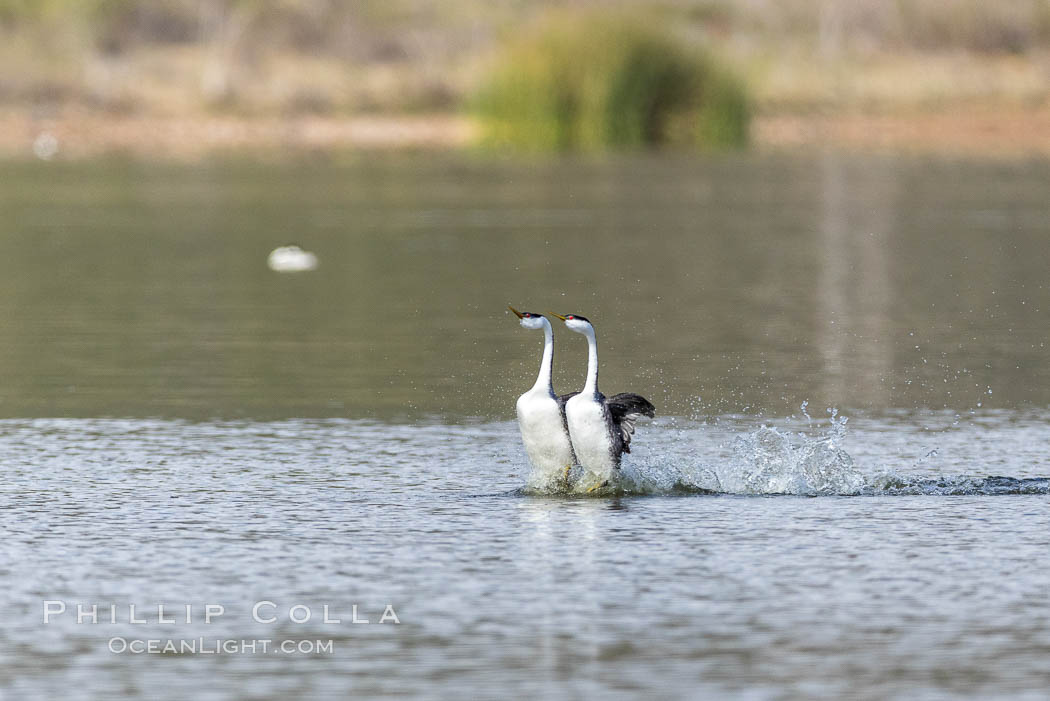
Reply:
x=519, y=314
x=557, y=315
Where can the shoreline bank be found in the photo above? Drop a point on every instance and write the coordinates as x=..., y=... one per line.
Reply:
x=1005, y=132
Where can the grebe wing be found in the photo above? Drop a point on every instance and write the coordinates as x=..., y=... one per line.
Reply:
x=625, y=408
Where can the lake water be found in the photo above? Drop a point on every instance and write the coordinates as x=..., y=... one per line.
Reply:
x=845, y=494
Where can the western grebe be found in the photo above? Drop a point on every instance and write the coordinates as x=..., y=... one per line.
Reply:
x=541, y=413
x=600, y=428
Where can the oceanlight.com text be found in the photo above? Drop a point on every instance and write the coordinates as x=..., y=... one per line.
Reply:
x=218, y=646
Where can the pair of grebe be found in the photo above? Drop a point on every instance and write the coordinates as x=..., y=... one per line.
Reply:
x=583, y=428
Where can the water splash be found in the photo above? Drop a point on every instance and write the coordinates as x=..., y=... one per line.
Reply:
x=643, y=477
x=770, y=460
x=765, y=461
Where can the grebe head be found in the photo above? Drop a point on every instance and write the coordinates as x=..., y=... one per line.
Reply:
x=529, y=320
x=577, y=323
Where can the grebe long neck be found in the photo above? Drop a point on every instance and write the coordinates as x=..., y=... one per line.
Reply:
x=592, y=362
x=543, y=380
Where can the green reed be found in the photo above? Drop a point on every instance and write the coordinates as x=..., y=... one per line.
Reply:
x=586, y=82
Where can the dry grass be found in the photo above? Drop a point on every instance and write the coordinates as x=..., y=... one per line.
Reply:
x=322, y=56
x=324, y=61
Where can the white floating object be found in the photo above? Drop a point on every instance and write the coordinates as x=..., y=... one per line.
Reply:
x=45, y=146
x=291, y=259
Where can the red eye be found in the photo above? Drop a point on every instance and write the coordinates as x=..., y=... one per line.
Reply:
x=571, y=316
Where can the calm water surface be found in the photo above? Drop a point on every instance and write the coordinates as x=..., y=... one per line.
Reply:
x=181, y=426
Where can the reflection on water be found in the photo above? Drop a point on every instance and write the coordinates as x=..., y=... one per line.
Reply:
x=725, y=284
x=854, y=290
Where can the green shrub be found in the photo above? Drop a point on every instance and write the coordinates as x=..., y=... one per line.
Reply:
x=589, y=83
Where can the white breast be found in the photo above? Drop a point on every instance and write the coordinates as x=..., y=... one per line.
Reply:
x=590, y=435
x=543, y=433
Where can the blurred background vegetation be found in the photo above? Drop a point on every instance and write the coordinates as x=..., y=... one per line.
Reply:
x=591, y=81
x=535, y=73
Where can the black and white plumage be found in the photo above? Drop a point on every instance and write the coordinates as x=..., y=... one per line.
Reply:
x=600, y=427
x=541, y=413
